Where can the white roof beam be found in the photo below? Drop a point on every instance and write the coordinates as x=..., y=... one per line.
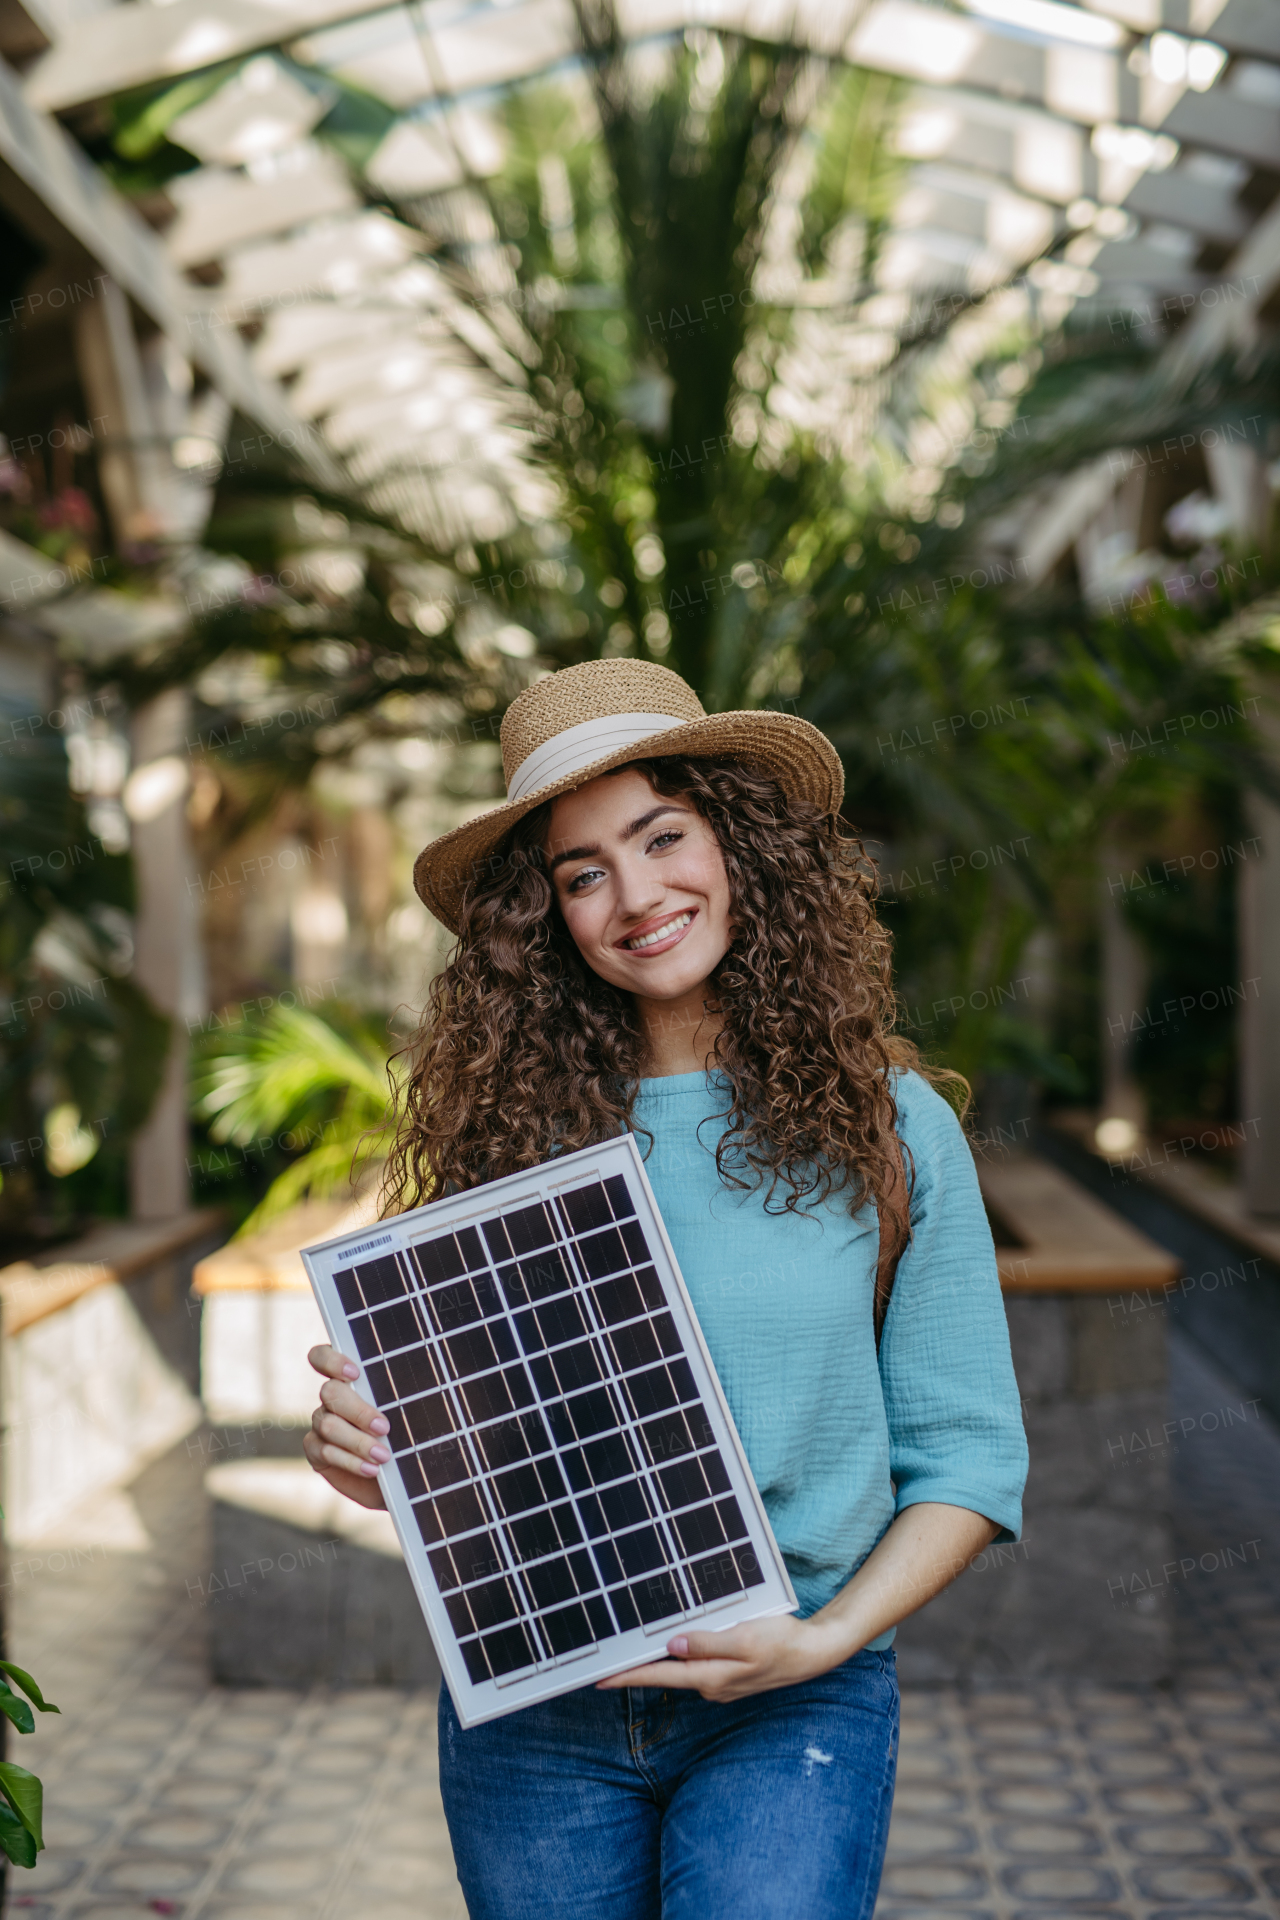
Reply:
x=80, y=197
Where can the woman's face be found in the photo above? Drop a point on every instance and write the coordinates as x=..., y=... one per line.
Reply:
x=641, y=884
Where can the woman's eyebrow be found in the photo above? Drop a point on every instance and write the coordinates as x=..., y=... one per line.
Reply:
x=628, y=833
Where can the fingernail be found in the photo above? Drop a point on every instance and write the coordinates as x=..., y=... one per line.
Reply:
x=678, y=1647
x=380, y=1454
x=379, y=1425
x=350, y=1371
x=368, y=1467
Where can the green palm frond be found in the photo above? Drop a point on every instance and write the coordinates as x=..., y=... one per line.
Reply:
x=294, y=1079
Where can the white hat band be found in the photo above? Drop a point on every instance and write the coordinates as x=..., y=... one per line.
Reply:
x=577, y=747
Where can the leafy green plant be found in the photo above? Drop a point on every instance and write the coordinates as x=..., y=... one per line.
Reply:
x=21, y=1810
x=317, y=1086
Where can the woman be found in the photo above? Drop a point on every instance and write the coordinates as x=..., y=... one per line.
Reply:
x=664, y=928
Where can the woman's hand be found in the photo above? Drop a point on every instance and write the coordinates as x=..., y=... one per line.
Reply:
x=917, y=1556
x=346, y=1442
x=742, y=1660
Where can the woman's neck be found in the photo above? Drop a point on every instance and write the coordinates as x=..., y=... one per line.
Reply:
x=679, y=1035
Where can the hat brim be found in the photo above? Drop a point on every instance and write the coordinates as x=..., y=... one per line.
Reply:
x=800, y=758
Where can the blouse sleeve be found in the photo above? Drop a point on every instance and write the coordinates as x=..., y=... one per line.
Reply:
x=954, y=1413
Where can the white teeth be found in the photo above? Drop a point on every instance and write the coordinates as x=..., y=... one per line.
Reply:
x=659, y=933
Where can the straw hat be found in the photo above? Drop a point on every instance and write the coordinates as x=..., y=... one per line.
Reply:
x=570, y=726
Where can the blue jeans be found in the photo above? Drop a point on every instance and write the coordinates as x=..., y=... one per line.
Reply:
x=653, y=1805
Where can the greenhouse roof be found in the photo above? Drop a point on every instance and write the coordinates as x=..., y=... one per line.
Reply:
x=1123, y=151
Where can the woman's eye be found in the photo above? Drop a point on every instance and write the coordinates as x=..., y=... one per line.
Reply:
x=666, y=838
x=584, y=879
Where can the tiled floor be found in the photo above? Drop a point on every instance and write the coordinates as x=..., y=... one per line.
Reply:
x=165, y=1796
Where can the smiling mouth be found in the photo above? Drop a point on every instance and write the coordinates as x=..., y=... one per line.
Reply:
x=641, y=942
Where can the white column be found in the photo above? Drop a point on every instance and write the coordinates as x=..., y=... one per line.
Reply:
x=168, y=960
x=1259, y=931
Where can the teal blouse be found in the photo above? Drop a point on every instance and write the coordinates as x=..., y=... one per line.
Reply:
x=838, y=1437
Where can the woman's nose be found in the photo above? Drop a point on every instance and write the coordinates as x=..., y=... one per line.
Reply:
x=639, y=889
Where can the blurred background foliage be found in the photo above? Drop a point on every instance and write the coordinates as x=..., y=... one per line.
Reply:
x=699, y=514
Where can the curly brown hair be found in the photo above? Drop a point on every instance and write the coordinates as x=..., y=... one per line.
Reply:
x=524, y=1052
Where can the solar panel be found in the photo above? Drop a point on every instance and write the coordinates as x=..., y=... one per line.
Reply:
x=566, y=1481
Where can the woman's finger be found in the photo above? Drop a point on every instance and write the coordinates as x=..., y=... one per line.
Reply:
x=344, y=1400
x=368, y=1452
x=693, y=1676
x=336, y=1365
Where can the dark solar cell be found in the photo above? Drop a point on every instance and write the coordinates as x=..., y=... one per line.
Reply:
x=669, y=1436
x=651, y=1288
x=578, y=1366
x=459, y=1613
x=454, y=1305
x=592, y=1516
x=499, y=1245
x=428, y=1418
x=396, y=1326
x=557, y=1417
x=641, y=1551
x=412, y=1373
x=438, y=1260
x=608, y=1458
x=461, y=1511
x=731, y=1518
x=529, y=1332
x=624, y=1505
x=378, y=1383
x=487, y=1295
x=473, y=1352
x=477, y=1558
x=602, y=1253
x=440, y=1560
x=652, y=1392
x=493, y=1602
x=519, y=1386
x=445, y=1464
x=508, y=1441
x=597, y=1612
x=619, y=1198
x=542, y=1373
x=381, y=1280
x=583, y=1570
x=636, y=1346
x=534, y=1535
x=473, y=1658
x=348, y=1290
x=528, y=1229
x=606, y=1555
x=365, y=1337
x=508, y=1650
x=568, y=1629
x=427, y=1518
x=487, y=1397
x=586, y=1207
x=518, y=1489
x=576, y=1470
x=657, y=1597
x=637, y=1246
x=699, y=1531
x=749, y=1567
x=683, y=1483
x=624, y=1608
x=592, y=1413
x=560, y=1320
x=619, y=1299
x=714, y=1468
x=414, y=1480
x=470, y=1248
x=551, y=1583
x=715, y=1578
x=551, y=1477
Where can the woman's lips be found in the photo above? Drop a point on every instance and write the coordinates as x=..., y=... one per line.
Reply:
x=679, y=923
